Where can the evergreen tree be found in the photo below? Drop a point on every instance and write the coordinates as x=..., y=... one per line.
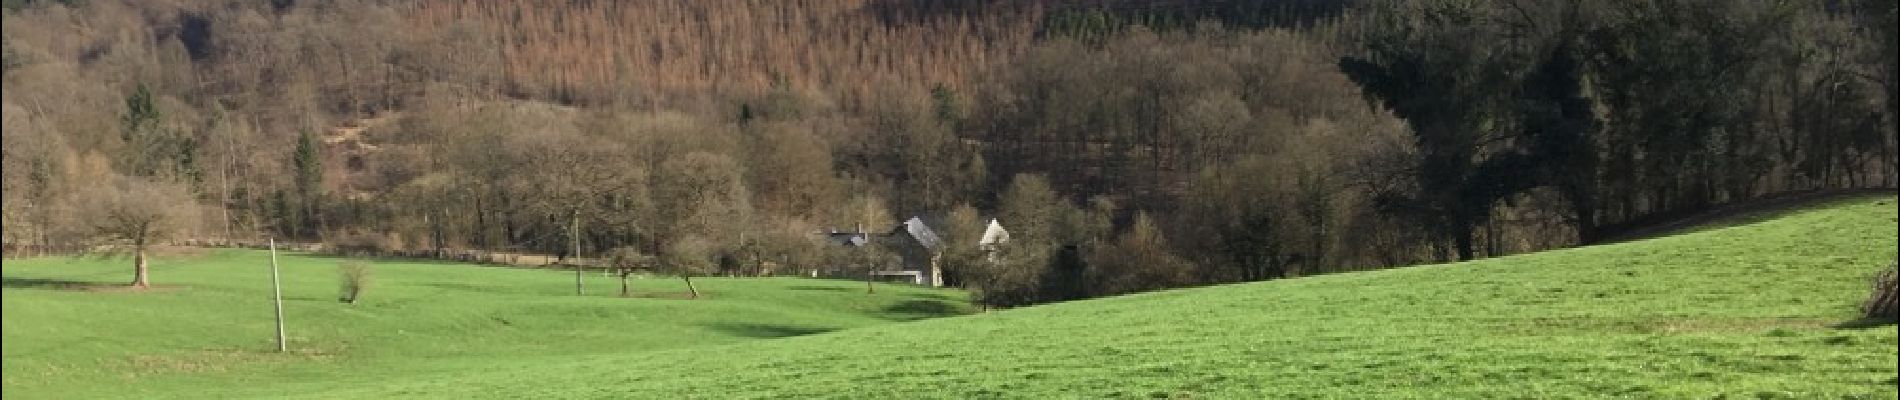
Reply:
x=309, y=180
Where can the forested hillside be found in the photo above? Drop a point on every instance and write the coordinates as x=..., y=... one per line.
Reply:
x=1126, y=145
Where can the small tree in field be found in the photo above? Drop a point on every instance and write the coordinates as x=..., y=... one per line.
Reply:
x=871, y=259
x=138, y=211
x=689, y=256
x=355, y=278
x=625, y=261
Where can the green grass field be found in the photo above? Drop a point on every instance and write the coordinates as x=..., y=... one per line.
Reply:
x=207, y=329
x=1764, y=308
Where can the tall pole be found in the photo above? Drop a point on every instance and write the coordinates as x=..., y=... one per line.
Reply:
x=277, y=296
x=574, y=239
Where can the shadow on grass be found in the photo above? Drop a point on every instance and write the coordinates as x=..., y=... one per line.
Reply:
x=1866, y=323
x=910, y=310
x=56, y=284
x=314, y=299
x=681, y=295
x=464, y=287
x=934, y=296
x=822, y=288
x=768, y=331
x=389, y=259
x=77, y=286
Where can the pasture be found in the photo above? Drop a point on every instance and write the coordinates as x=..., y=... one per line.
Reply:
x=206, y=327
x=1763, y=306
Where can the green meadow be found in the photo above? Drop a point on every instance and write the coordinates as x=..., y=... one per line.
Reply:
x=1762, y=306
x=207, y=326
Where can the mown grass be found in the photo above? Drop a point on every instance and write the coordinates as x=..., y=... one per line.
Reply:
x=1755, y=310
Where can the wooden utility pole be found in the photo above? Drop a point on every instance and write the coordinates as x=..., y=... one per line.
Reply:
x=575, y=239
x=277, y=296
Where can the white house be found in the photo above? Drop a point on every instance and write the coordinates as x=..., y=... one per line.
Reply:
x=994, y=236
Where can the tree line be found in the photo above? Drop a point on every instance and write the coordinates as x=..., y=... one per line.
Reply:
x=1121, y=157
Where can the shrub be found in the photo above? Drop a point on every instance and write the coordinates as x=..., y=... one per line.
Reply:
x=1882, y=304
x=358, y=244
x=355, y=279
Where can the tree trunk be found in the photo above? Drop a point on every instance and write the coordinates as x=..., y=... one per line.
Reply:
x=1583, y=208
x=139, y=274
x=481, y=224
x=436, y=237
x=1315, y=259
x=1492, y=245
x=1586, y=226
x=623, y=284
x=224, y=203
x=868, y=287
x=1464, y=241
x=691, y=293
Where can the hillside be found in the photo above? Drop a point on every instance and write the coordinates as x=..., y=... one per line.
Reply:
x=1759, y=308
x=1763, y=309
x=1125, y=146
x=585, y=51
x=1262, y=139
x=71, y=330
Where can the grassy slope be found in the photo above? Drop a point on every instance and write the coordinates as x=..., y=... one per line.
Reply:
x=208, y=331
x=1749, y=310
x=1754, y=310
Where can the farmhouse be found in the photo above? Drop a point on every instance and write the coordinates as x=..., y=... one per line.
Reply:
x=919, y=249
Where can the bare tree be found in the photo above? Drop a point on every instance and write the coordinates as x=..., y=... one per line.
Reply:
x=786, y=244
x=792, y=171
x=139, y=211
x=701, y=200
x=870, y=260
x=686, y=257
x=625, y=261
x=962, y=230
x=867, y=211
x=1137, y=261
x=568, y=175
x=1032, y=208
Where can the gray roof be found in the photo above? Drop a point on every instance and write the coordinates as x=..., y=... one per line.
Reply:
x=847, y=238
x=918, y=230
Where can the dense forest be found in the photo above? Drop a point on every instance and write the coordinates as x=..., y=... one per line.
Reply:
x=1126, y=145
